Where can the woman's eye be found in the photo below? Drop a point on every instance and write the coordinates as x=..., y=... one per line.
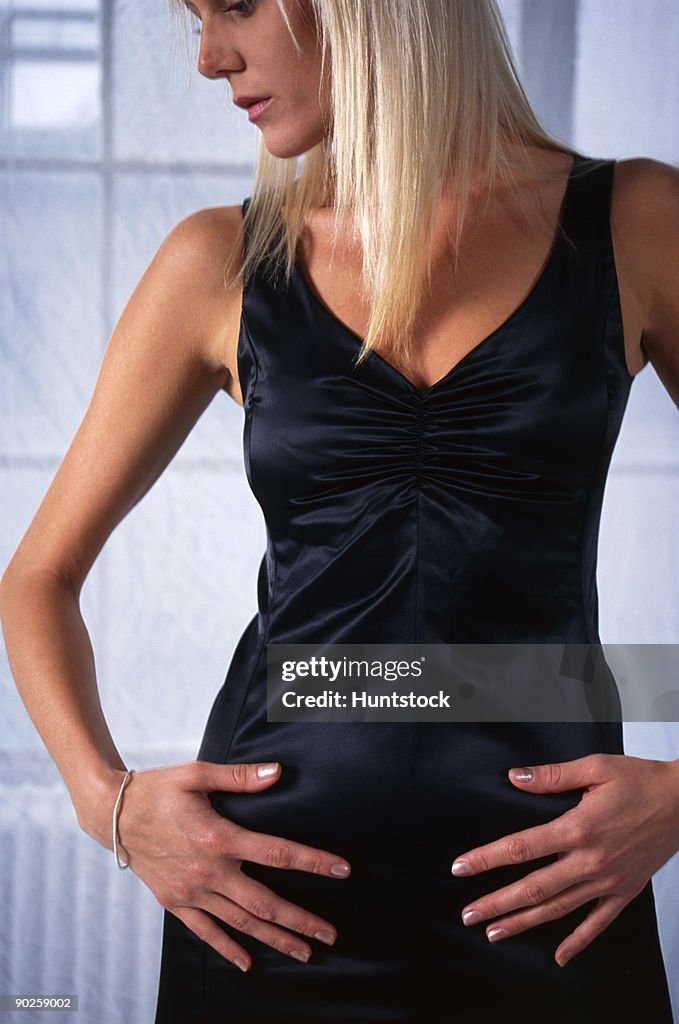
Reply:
x=244, y=7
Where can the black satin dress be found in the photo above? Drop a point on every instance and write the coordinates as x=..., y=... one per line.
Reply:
x=463, y=512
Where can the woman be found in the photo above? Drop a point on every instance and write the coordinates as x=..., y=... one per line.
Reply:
x=444, y=487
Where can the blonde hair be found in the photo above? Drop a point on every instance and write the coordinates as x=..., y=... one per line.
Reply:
x=423, y=93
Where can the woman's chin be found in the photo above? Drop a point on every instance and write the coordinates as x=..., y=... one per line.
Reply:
x=287, y=147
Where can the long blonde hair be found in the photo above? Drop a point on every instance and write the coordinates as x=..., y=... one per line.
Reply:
x=422, y=91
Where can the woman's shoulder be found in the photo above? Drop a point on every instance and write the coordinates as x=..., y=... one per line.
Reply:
x=654, y=174
x=645, y=229
x=645, y=194
x=645, y=198
x=645, y=208
x=206, y=233
x=205, y=250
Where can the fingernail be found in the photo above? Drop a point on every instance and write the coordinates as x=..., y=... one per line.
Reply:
x=341, y=870
x=522, y=774
x=264, y=771
x=300, y=954
x=495, y=933
x=562, y=958
x=327, y=937
x=460, y=867
x=239, y=962
x=471, y=917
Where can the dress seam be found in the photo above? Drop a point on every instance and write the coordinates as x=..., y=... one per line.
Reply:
x=252, y=386
x=592, y=627
x=599, y=475
x=249, y=417
x=248, y=412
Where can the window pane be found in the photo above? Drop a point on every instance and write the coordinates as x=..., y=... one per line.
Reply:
x=55, y=33
x=49, y=95
x=50, y=79
x=632, y=48
x=49, y=5
x=51, y=330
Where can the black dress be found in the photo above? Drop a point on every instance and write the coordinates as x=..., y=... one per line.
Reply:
x=464, y=512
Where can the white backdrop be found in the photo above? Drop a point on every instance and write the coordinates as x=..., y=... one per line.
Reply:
x=106, y=141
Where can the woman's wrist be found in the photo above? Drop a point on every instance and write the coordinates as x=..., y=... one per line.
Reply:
x=95, y=800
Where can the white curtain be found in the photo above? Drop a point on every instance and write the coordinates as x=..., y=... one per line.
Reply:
x=106, y=140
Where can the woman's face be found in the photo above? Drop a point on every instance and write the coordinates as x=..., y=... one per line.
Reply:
x=249, y=44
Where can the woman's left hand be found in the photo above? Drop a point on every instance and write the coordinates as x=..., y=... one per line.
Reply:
x=625, y=827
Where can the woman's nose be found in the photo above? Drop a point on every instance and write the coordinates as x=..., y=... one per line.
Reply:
x=216, y=55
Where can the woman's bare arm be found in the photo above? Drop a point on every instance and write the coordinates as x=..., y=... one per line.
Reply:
x=645, y=222
x=164, y=363
x=168, y=356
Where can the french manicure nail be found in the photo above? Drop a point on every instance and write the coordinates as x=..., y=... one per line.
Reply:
x=326, y=937
x=239, y=962
x=460, y=867
x=300, y=954
x=341, y=870
x=495, y=933
x=471, y=917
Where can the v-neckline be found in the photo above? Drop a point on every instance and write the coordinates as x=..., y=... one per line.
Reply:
x=516, y=312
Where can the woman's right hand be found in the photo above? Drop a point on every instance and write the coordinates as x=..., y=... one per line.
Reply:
x=194, y=870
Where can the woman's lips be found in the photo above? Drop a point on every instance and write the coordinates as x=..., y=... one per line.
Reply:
x=258, y=108
x=254, y=105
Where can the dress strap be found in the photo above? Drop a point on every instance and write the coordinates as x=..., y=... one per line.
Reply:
x=586, y=220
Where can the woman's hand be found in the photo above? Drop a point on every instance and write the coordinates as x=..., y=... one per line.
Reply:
x=625, y=827
x=190, y=858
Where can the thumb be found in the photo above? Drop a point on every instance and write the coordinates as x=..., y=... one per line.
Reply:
x=556, y=777
x=237, y=777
